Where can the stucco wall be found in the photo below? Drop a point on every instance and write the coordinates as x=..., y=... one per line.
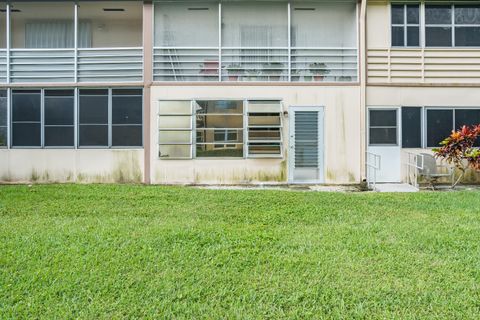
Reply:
x=342, y=139
x=88, y=166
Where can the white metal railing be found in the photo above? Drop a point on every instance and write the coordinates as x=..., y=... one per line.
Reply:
x=72, y=65
x=3, y=66
x=413, y=162
x=110, y=64
x=269, y=64
x=372, y=162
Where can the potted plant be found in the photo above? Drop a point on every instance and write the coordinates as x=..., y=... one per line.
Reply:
x=234, y=71
x=273, y=70
x=319, y=70
x=252, y=74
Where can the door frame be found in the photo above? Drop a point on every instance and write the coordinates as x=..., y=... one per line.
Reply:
x=291, y=143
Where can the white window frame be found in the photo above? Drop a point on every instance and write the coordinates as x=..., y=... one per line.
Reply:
x=397, y=127
x=405, y=25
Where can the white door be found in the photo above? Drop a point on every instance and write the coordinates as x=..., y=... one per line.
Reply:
x=305, y=156
x=384, y=140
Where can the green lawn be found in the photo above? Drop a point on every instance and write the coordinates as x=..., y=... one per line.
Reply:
x=119, y=251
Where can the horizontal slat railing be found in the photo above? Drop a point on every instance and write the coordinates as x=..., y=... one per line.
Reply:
x=59, y=65
x=423, y=65
x=110, y=65
x=42, y=65
x=3, y=66
x=265, y=64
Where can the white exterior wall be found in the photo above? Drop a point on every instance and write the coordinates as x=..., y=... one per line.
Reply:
x=342, y=139
x=68, y=165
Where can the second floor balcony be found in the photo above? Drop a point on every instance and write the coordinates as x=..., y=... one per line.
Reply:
x=71, y=42
x=256, y=41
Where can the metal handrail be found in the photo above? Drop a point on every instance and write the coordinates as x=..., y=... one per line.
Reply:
x=412, y=163
x=375, y=166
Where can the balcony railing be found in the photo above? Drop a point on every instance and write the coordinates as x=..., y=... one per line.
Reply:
x=255, y=64
x=69, y=65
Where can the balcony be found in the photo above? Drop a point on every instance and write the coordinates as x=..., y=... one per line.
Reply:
x=255, y=42
x=87, y=42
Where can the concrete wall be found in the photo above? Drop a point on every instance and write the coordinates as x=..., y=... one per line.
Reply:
x=68, y=165
x=342, y=139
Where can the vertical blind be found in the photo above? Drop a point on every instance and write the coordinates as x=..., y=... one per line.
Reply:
x=57, y=34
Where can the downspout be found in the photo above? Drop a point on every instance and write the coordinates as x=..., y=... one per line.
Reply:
x=147, y=84
x=363, y=85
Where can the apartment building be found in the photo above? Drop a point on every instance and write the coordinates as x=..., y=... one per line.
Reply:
x=423, y=77
x=230, y=92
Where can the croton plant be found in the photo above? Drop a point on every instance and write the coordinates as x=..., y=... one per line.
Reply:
x=459, y=149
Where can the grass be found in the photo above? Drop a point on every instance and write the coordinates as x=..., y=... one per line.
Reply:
x=119, y=251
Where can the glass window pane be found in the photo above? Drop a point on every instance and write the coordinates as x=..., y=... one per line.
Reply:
x=127, y=109
x=255, y=106
x=93, y=108
x=59, y=136
x=264, y=134
x=26, y=105
x=220, y=150
x=438, y=14
x=383, y=118
x=439, y=126
x=189, y=24
x=175, y=137
x=383, y=136
x=3, y=136
x=174, y=151
x=334, y=24
x=413, y=36
x=175, y=107
x=398, y=36
x=265, y=119
x=467, y=36
x=467, y=14
x=411, y=127
x=219, y=106
x=254, y=24
x=219, y=121
x=264, y=149
x=413, y=14
x=93, y=135
x=212, y=136
x=398, y=14
x=466, y=117
x=438, y=36
x=127, y=136
x=3, y=110
x=26, y=135
x=59, y=110
x=175, y=122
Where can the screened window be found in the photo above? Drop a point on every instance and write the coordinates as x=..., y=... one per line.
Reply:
x=383, y=127
x=441, y=122
x=264, y=128
x=93, y=117
x=405, y=25
x=59, y=118
x=411, y=127
x=26, y=118
x=219, y=128
x=175, y=129
x=127, y=117
x=3, y=118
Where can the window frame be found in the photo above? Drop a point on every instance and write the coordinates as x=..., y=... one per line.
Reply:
x=405, y=25
x=193, y=130
x=7, y=125
x=397, y=127
x=41, y=122
x=110, y=121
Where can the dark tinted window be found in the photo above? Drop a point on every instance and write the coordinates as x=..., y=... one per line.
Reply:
x=3, y=118
x=438, y=36
x=3, y=136
x=127, y=136
x=413, y=36
x=93, y=117
x=127, y=117
x=467, y=14
x=398, y=15
x=59, y=109
x=413, y=14
x=411, y=127
x=467, y=117
x=26, y=105
x=438, y=14
x=439, y=126
x=398, y=36
x=383, y=127
x=467, y=36
x=127, y=109
x=59, y=136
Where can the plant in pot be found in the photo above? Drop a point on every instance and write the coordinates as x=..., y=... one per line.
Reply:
x=252, y=74
x=234, y=71
x=273, y=70
x=319, y=70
